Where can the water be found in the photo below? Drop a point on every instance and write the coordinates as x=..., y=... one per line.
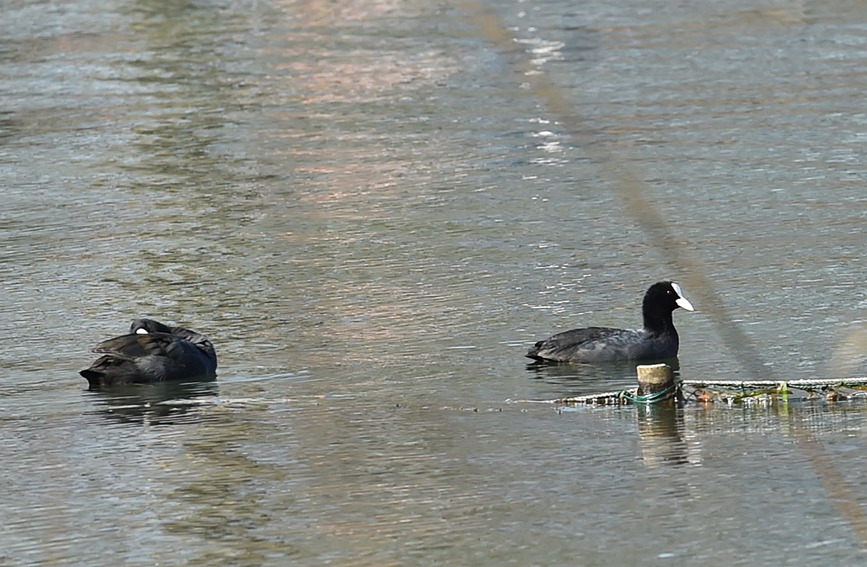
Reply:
x=372, y=209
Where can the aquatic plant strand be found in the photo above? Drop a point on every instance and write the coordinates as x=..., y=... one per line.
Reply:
x=748, y=388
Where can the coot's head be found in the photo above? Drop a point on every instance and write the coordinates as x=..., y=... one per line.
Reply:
x=665, y=296
x=145, y=326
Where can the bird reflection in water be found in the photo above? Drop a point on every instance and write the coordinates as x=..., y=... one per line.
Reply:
x=162, y=403
x=581, y=379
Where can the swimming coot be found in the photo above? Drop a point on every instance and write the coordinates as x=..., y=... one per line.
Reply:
x=658, y=339
x=152, y=352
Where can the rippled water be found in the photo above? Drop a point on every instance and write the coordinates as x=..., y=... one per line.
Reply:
x=373, y=209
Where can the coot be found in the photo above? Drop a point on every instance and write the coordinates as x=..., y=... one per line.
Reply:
x=658, y=339
x=152, y=352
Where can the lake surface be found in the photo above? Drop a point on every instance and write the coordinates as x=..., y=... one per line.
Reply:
x=373, y=209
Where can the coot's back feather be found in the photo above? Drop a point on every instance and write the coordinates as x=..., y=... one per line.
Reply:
x=152, y=352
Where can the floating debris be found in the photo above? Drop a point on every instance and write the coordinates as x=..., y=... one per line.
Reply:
x=656, y=385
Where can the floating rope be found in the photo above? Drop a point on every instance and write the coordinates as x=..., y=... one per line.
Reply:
x=621, y=397
x=653, y=398
x=603, y=399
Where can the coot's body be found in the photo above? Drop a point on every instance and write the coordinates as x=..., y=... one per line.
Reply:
x=657, y=340
x=152, y=352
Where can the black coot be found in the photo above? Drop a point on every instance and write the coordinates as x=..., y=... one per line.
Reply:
x=658, y=339
x=152, y=352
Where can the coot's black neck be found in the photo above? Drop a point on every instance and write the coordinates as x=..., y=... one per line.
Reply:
x=658, y=321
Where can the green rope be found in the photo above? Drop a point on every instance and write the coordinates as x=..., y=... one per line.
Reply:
x=653, y=398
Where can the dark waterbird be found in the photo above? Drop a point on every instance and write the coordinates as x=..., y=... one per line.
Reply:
x=152, y=352
x=657, y=340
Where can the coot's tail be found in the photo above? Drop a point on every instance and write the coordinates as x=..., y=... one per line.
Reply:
x=534, y=351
